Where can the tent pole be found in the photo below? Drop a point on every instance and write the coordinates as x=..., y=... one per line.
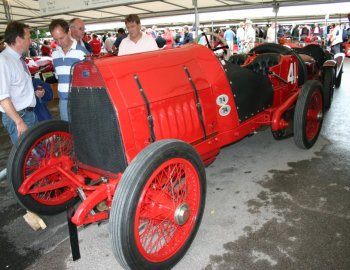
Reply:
x=7, y=9
x=194, y=2
x=275, y=8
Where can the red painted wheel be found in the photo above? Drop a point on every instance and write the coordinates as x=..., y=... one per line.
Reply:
x=48, y=141
x=308, y=116
x=167, y=207
x=158, y=206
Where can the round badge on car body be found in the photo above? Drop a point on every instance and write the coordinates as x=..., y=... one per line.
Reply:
x=85, y=73
x=222, y=100
x=225, y=110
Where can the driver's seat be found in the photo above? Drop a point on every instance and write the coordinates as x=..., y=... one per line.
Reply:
x=262, y=63
x=238, y=59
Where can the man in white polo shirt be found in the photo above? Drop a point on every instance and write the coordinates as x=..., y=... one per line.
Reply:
x=136, y=41
x=17, y=97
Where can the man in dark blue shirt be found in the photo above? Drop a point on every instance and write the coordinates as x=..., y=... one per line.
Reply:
x=120, y=36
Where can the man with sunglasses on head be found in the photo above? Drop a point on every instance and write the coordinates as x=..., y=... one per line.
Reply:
x=17, y=96
x=67, y=53
x=77, y=29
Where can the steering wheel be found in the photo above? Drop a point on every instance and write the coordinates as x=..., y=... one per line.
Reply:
x=221, y=51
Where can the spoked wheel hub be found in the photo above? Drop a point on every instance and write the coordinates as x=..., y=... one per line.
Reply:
x=182, y=213
x=162, y=206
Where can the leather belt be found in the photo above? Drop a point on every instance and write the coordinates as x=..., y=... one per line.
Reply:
x=28, y=109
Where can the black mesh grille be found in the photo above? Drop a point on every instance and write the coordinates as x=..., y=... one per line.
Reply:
x=95, y=130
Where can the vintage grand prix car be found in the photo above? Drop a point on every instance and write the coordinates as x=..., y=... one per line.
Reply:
x=39, y=64
x=141, y=130
x=320, y=65
x=347, y=48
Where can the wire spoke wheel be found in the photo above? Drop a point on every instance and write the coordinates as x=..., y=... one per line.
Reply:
x=47, y=147
x=167, y=210
x=40, y=147
x=158, y=206
x=313, y=116
x=308, y=116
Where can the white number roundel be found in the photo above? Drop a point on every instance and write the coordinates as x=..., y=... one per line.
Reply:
x=222, y=101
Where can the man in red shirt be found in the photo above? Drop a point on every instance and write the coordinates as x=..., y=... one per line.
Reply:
x=46, y=49
x=95, y=44
x=53, y=44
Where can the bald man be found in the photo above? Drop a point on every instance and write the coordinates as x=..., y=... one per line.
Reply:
x=77, y=30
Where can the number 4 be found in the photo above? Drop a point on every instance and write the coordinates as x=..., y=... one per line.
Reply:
x=292, y=78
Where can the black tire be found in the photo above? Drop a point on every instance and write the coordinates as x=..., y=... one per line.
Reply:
x=271, y=47
x=21, y=158
x=328, y=87
x=276, y=48
x=308, y=116
x=132, y=193
x=338, y=79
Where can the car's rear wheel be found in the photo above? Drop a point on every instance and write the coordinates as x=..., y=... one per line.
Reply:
x=37, y=147
x=328, y=87
x=308, y=116
x=338, y=79
x=158, y=206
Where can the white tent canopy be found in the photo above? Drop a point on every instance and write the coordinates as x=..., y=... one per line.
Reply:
x=38, y=14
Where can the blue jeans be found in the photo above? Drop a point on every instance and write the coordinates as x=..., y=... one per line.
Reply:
x=336, y=48
x=28, y=117
x=63, y=105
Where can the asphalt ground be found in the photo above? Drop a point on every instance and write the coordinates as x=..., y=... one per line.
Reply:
x=269, y=205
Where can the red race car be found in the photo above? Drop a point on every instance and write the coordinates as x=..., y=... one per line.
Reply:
x=141, y=130
x=318, y=65
x=40, y=64
x=347, y=48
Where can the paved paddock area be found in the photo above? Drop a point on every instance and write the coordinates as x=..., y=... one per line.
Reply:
x=269, y=205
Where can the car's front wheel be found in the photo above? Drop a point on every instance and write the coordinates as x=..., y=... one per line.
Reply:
x=37, y=148
x=158, y=206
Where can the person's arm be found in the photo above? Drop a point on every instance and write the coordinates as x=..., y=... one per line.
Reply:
x=114, y=49
x=122, y=49
x=10, y=110
x=48, y=95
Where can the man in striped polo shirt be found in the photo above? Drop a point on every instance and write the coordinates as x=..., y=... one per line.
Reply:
x=66, y=54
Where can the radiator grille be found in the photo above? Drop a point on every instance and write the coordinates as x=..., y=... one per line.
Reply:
x=95, y=129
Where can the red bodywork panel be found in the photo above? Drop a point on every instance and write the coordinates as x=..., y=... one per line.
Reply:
x=172, y=98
